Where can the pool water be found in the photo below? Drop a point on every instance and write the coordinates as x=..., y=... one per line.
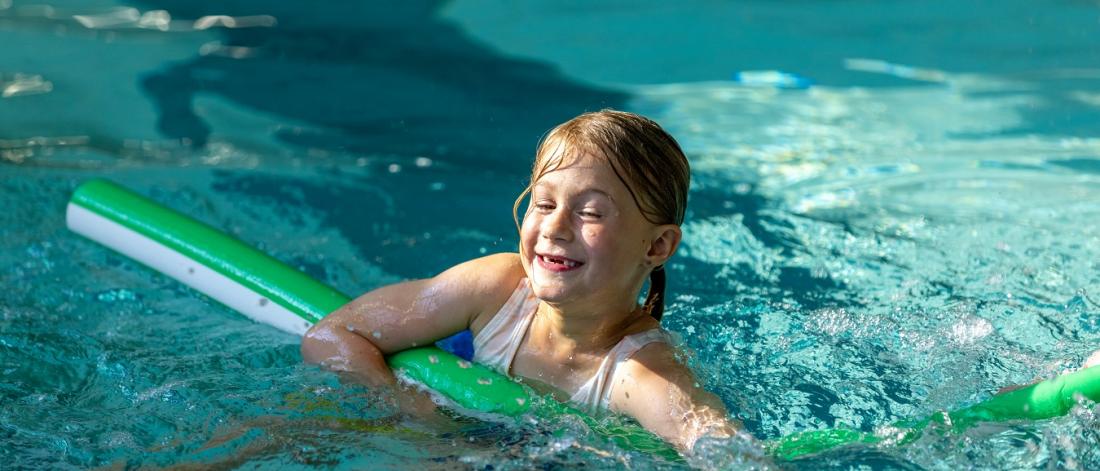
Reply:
x=913, y=231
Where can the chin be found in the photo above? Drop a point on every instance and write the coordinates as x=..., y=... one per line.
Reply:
x=549, y=290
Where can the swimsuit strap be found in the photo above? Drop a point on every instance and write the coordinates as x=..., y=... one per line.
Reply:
x=497, y=343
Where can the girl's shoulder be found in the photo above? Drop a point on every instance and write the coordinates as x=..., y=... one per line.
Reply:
x=491, y=280
x=496, y=270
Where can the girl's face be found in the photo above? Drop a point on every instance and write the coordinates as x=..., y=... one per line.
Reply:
x=584, y=241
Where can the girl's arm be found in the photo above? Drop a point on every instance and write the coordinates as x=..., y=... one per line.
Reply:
x=354, y=339
x=663, y=396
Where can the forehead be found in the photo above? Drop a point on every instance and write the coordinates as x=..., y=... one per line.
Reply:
x=582, y=171
x=560, y=154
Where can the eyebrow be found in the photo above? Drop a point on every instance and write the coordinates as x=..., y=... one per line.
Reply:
x=585, y=191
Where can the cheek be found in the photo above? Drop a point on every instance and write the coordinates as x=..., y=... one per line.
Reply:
x=593, y=235
x=602, y=243
x=598, y=242
x=528, y=231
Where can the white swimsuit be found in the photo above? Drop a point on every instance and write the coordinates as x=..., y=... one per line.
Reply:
x=496, y=346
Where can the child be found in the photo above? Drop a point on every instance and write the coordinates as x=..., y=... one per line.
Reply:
x=607, y=196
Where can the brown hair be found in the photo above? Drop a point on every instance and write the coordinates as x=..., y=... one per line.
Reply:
x=646, y=159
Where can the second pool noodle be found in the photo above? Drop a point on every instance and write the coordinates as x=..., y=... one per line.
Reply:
x=271, y=292
x=1043, y=400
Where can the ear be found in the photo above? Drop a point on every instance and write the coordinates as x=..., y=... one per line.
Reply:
x=666, y=238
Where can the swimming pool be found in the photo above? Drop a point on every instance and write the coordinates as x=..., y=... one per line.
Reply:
x=912, y=232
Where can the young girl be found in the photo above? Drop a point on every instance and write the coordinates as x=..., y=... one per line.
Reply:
x=607, y=196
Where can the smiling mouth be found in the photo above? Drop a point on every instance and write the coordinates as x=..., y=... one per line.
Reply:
x=559, y=264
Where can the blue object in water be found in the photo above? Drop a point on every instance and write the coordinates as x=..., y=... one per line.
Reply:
x=771, y=78
x=461, y=344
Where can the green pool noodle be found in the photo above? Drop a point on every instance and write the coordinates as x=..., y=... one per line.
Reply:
x=1042, y=400
x=268, y=291
x=271, y=292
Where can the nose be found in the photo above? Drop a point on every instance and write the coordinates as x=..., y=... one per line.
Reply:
x=556, y=226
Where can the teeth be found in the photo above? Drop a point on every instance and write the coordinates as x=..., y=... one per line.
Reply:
x=560, y=261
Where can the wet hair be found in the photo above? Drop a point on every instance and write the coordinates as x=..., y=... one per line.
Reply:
x=646, y=159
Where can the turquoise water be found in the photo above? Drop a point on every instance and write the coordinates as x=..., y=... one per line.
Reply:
x=914, y=231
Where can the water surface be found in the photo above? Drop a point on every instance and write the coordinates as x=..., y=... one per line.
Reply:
x=909, y=234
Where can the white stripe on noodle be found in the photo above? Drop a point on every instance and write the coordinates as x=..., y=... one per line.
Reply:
x=187, y=271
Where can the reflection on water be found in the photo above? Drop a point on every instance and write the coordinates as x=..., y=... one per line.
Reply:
x=23, y=84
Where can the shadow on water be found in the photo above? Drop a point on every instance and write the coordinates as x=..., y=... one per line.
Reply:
x=372, y=77
x=375, y=79
x=379, y=79
x=382, y=79
x=412, y=234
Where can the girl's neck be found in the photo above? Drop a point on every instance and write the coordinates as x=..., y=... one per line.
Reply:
x=570, y=331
